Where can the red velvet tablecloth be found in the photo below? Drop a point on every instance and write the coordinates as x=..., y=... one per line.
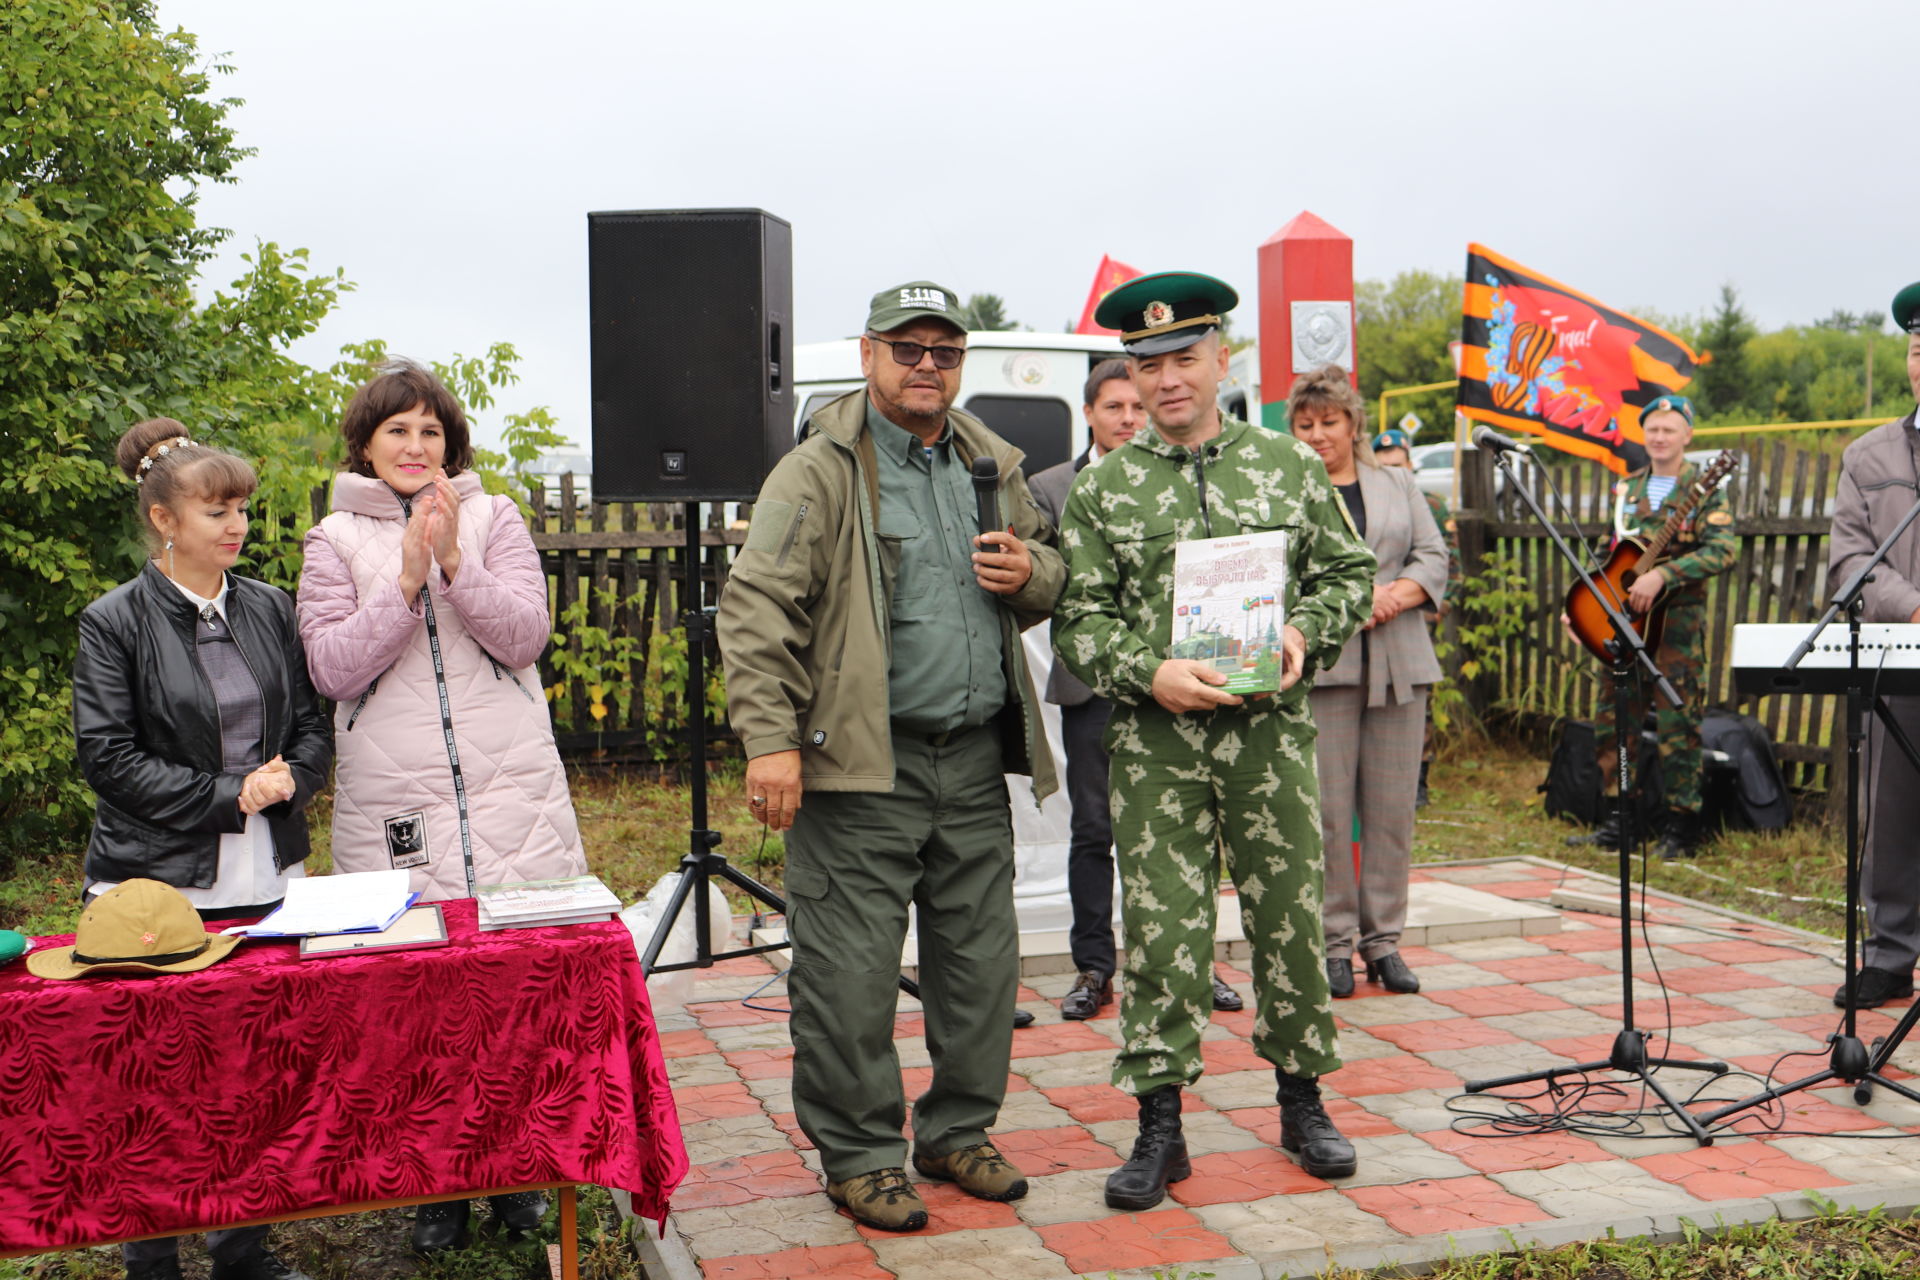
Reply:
x=268, y=1084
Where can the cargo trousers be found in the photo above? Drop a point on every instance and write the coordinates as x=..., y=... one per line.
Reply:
x=941, y=840
x=1184, y=787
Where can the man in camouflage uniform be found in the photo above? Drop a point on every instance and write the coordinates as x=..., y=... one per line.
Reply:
x=1195, y=768
x=1705, y=545
x=1394, y=448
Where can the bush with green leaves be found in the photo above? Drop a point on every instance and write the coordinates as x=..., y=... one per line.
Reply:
x=108, y=134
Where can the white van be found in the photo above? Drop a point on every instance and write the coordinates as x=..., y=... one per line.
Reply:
x=1027, y=386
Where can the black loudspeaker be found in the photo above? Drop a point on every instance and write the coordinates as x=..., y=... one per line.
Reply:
x=691, y=315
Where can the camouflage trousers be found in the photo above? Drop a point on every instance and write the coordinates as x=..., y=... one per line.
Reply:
x=1183, y=788
x=1681, y=656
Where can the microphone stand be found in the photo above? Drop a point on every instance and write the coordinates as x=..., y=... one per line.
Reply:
x=1849, y=1060
x=1629, y=1055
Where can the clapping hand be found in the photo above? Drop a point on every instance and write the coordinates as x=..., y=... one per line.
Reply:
x=443, y=523
x=270, y=784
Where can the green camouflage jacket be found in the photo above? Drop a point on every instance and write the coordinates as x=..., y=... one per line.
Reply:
x=1705, y=545
x=1114, y=623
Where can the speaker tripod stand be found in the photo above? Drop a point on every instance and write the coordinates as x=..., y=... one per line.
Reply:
x=1629, y=1054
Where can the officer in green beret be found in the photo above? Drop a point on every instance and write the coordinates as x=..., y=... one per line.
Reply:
x=1196, y=769
x=1881, y=464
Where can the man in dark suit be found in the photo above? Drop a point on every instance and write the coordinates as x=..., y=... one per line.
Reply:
x=1114, y=412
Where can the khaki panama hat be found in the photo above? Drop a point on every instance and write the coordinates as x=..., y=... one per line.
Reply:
x=141, y=926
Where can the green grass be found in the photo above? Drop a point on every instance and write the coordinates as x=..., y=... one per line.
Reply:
x=1838, y=1246
x=1485, y=803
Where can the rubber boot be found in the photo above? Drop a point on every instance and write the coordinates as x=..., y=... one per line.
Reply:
x=1159, y=1154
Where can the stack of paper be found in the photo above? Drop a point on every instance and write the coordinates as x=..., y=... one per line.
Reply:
x=573, y=900
x=357, y=902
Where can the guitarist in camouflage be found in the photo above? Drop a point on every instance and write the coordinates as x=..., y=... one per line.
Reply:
x=1703, y=546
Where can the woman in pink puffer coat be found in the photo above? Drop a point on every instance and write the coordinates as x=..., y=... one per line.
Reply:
x=423, y=607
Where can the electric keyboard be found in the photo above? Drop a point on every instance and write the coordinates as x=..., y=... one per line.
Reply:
x=1889, y=658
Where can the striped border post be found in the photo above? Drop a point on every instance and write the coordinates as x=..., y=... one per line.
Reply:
x=1306, y=261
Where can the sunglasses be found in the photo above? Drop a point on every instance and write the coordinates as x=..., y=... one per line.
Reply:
x=909, y=353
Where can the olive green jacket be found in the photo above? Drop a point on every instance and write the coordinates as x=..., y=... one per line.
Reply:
x=804, y=621
x=1126, y=512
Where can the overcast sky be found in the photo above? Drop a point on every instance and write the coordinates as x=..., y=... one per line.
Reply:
x=446, y=154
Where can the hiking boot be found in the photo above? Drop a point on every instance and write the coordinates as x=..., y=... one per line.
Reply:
x=980, y=1171
x=1391, y=972
x=1091, y=993
x=1340, y=976
x=1159, y=1154
x=1308, y=1132
x=1225, y=998
x=1876, y=987
x=883, y=1199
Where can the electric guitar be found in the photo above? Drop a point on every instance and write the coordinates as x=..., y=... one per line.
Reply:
x=1630, y=558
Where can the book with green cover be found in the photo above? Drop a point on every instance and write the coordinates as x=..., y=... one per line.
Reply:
x=1229, y=606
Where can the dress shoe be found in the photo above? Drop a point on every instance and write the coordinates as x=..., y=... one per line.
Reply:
x=520, y=1210
x=1340, y=976
x=1091, y=993
x=440, y=1226
x=1391, y=972
x=1420, y=792
x=883, y=1198
x=1159, y=1154
x=1308, y=1132
x=1876, y=987
x=1225, y=998
x=260, y=1265
x=979, y=1170
x=167, y=1268
x=1021, y=1019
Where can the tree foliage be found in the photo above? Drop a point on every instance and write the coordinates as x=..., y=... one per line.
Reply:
x=986, y=312
x=1404, y=326
x=108, y=135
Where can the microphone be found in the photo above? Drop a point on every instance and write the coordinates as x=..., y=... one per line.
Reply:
x=1493, y=442
x=986, y=486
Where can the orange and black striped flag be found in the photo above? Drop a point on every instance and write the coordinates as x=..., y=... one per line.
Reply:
x=1541, y=359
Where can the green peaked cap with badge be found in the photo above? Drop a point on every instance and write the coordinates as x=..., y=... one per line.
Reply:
x=1906, y=308
x=1166, y=311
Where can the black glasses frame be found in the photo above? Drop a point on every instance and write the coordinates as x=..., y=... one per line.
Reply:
x=909, y=353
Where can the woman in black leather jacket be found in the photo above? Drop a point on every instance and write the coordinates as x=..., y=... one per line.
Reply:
x=198, y=730
x=195, y=721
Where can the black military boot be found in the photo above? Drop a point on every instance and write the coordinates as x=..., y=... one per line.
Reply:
x=1605, y=836
x=1159, y=1154
x=1679, y=835
x=1307, y=1131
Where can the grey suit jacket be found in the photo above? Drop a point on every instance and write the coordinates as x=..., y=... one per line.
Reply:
x=1049, y=489
x=1408, y=544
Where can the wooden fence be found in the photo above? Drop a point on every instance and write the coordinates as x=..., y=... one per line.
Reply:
x=617, y=578
x=1781, y=498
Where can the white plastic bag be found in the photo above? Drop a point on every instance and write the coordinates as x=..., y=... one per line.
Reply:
x=669, y=991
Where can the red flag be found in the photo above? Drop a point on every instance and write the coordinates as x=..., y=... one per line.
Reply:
x=1109, y=277
x=1542, y=359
